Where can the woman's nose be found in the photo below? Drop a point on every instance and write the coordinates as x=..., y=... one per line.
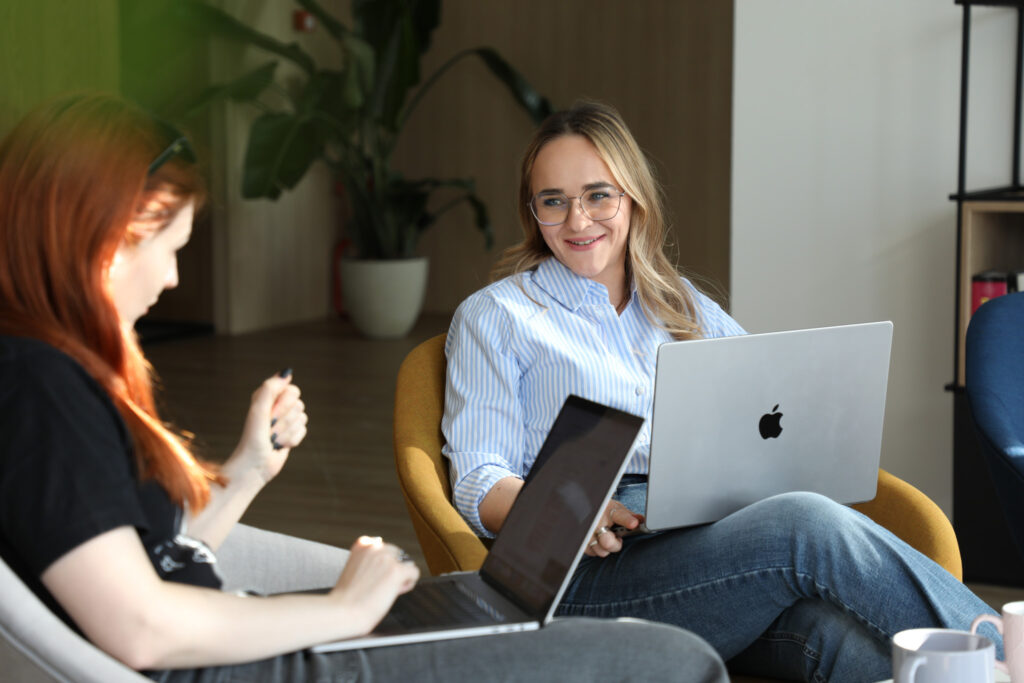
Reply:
x=577, y=217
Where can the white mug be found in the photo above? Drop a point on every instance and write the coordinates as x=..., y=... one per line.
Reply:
x=1011, y=627
x=939, y=655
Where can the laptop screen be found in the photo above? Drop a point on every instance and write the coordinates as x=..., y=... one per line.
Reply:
x=573, y=475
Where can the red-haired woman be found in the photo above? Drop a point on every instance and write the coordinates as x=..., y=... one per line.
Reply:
x=104, y=512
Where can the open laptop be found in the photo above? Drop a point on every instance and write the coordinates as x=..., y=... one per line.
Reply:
x=533, y=557
x=739, y=419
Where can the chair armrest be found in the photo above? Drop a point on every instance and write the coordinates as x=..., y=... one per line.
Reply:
x=268, y=562
x=37, y=646
x=915, y=518
x=447, y=541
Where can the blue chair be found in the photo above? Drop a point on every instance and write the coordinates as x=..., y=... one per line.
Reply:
x=995, y=389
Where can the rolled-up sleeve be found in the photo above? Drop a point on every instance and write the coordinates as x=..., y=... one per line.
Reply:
x=483, y=420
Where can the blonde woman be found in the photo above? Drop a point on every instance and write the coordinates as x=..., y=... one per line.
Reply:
x=795, y=586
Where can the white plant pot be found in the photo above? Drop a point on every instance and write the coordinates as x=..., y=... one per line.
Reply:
x=384, y=298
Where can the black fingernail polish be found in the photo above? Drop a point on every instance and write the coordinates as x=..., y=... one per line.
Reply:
x=274, y=443
x=273, y=421
x=287, y=372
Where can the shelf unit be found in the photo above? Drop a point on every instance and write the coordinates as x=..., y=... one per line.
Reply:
x=990, y=236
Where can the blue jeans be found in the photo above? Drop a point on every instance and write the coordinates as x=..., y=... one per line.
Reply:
x=795, y=586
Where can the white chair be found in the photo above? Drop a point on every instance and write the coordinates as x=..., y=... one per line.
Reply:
x=37, y=646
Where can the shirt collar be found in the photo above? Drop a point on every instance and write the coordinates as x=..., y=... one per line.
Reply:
x=568, y=288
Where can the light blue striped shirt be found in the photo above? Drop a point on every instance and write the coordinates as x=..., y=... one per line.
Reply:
x=517, y=348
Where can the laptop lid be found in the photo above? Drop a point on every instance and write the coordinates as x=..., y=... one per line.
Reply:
x=739, y=419
x=556, y=512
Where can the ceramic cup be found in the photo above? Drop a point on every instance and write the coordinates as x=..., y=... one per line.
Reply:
x=1011, y=626
x=938, y=655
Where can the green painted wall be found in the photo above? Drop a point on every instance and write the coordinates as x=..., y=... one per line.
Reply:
x=48, y=47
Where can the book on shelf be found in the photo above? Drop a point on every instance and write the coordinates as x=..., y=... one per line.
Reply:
x=987, y=285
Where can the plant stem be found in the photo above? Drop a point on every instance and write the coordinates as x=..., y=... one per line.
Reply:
x=426, y=86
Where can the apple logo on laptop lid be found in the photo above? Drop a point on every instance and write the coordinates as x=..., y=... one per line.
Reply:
x=770, y=424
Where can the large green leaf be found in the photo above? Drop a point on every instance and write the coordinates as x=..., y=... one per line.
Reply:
x=426, y=17
x=400, y=32
x=427, y=186
x=536, y=105
x=332, y=105
x=359, y=72
x=245, y=88
x=218, y=22
x=281, y=149
x=400, y=72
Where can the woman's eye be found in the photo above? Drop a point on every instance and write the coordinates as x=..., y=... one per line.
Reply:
x=597, y=196
x=553, y=202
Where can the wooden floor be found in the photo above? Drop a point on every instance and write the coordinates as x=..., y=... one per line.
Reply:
x=341, y=482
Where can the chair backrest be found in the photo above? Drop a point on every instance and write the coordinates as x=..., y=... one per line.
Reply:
x=448, y=543
x=37, y=646
x=994, y=373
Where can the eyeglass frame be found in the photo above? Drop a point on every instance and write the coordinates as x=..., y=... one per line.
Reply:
x=533, y=210
x=180, y=146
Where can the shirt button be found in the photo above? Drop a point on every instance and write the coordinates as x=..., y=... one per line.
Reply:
x=639, y=391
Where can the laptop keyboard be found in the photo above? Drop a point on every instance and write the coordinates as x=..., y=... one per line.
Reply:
x=438, y=605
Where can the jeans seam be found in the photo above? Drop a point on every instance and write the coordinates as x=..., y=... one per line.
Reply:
x=838, y=602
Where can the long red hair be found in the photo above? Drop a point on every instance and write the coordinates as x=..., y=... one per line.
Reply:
x=73, y=174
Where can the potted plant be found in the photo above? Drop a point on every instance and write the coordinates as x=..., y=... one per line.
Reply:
x=350, y=116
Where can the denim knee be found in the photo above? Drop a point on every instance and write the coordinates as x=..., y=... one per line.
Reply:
x=801, y=512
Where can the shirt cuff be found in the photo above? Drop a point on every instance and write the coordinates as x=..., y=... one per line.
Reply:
x=470, y=491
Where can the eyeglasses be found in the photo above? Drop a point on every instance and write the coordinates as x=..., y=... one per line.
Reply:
x=180, y=146
x=598, y=203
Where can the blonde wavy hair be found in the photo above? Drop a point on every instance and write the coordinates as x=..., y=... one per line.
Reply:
x=666, y=301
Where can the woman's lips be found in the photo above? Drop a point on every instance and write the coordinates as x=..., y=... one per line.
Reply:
x=584, y=244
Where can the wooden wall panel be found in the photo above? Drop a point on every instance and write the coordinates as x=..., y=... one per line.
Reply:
x=272, y=258
x=665, y=64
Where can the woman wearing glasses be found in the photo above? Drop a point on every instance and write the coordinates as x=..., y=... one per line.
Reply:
x=795, y=586
x=104, y=512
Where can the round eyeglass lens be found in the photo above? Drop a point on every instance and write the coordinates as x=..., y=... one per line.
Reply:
x=599, y=204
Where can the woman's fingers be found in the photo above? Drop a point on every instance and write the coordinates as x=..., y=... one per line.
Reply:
x=286, y=400
x=288, y=417
x=605, y=541
x=290, y=429
x=382, y=563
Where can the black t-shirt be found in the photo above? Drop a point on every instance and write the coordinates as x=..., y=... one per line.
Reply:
x=68, y=474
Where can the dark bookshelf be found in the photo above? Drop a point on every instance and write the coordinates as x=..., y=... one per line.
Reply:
x=989, y=235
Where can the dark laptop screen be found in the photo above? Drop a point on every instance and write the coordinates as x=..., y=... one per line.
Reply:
x=575, y=469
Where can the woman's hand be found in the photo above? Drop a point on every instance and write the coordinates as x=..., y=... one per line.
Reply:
x=375, y=574
x=276, y=423
x=605, y=541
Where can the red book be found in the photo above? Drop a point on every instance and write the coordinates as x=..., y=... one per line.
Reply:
x=985, y=286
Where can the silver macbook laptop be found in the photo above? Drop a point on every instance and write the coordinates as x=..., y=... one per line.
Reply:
x=739, y=419
x=541, y=541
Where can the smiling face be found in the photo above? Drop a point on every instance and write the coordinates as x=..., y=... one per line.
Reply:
x=592, y=249
x=146, y=263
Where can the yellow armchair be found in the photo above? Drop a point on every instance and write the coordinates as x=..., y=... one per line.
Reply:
x=449, y=544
